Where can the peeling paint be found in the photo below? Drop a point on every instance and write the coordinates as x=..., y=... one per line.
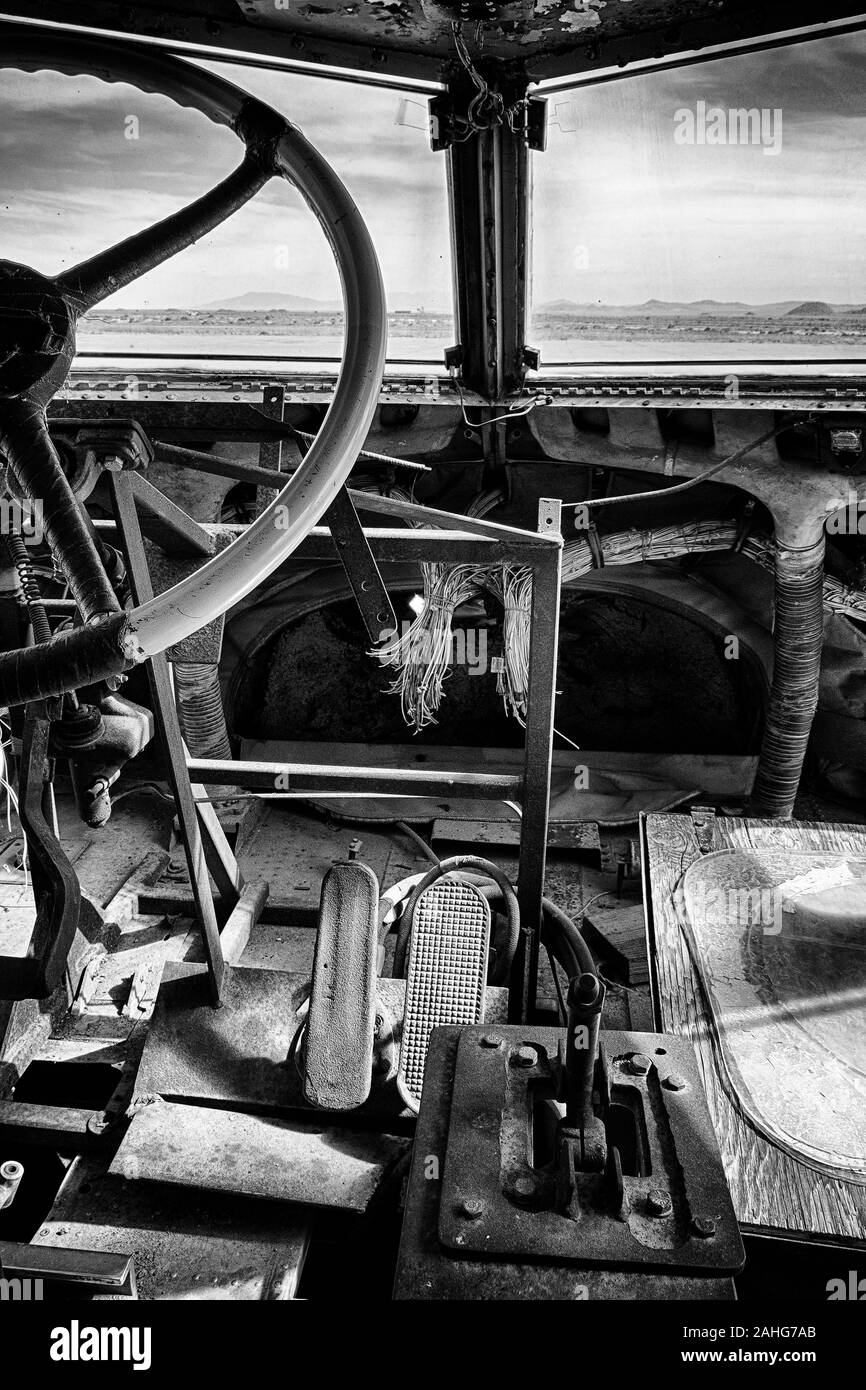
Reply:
x=585, y=16
x=129, y=644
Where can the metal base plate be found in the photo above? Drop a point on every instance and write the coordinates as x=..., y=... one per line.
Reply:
x=256, y=1156
x=234, y=1055
x=427, y=1270
x=184, y=1245
x=490, y=1151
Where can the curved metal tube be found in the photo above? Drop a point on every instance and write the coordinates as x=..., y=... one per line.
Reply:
x=230, y=576
x=271, y=539
x=458, y=863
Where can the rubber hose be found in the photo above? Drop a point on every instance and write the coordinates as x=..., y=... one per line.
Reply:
x=798, y=637
x=456, y=863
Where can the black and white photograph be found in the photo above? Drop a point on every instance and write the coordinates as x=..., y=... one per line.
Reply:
x=432, y=681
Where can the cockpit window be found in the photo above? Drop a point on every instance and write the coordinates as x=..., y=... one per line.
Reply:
x=709, y=212
x=86, y=163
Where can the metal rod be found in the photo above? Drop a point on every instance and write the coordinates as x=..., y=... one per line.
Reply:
x=166, y=716
x=270, y=777
x=538, y=756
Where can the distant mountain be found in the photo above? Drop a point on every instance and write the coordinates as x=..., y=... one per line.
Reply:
x=811, y=308
x=266, y=301
x=261, y=301
x=566, y=306
x=695, y=308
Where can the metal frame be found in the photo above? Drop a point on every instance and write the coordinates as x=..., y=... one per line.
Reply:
x=467, y=541
x=228, y=39
x=206, y=853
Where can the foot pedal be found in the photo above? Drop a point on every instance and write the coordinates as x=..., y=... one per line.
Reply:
x=338, y=1059
x=447, y=973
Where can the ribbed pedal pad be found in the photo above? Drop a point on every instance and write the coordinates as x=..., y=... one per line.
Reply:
x=447, y=973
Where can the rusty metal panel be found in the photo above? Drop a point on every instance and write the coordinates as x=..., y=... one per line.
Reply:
x=233, y=1055
x=570, y=835
x=186, y=1246
x=426, y=1270
x=490, y=1161
x=256, y=1156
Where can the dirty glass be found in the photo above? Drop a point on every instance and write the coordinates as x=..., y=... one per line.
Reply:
x=86, y=163
x=706, y=212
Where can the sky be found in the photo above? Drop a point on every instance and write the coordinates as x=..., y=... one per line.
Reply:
x=621, y=211
x=74, y=182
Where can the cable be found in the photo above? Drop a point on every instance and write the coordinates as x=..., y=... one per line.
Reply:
x=367, y=454
x=418, y=840
x=513, y=413
x=700, y=477
x=557, y=986
x=463, y=863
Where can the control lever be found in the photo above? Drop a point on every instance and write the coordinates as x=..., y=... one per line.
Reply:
x=581, y=1138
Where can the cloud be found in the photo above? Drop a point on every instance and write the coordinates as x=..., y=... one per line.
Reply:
x=655, y=219
x=74, y=182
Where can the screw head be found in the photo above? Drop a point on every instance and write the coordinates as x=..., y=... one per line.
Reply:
x=639, y=1065
x=524, y=1057
x=658, y=1202
x=675, y=1082
x=472, y=1208
x=489, y=1040
x=704, y=1226
x=524, y=1191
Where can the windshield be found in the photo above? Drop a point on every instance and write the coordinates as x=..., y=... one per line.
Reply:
x=85, y=163
x=710, y=212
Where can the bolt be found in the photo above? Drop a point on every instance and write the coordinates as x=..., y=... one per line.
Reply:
x=524, y=1057
x=704, y=1226
x=472, y=1208
x=524, y=1191
x=659, y=1202
x=489, y=1040
x=10, y=1172
x=675, y=1082
x=98, y=1124
x=639, y=1065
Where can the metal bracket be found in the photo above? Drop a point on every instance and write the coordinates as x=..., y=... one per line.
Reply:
x=361, y=569
x=444, y=115
x=704, y=823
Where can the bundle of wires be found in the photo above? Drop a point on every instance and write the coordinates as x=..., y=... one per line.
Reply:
x=692, y=538
x=422, y=654
x=513, y=587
